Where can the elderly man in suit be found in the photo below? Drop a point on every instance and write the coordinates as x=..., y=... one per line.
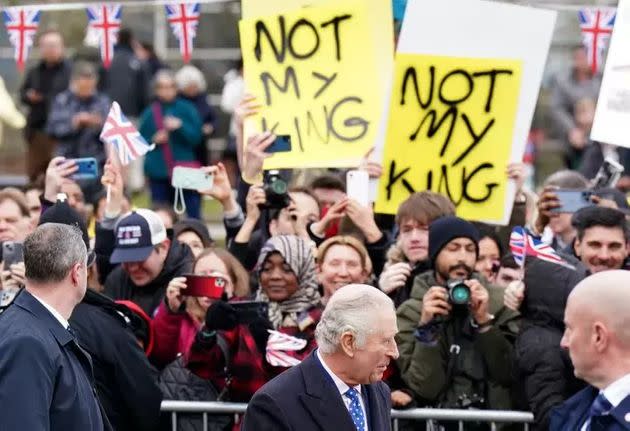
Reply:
x=46, y=380
x=597, y=337
x=339, y=385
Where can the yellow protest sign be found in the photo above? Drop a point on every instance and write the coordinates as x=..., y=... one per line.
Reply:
x=314, y=71
x=450, y=130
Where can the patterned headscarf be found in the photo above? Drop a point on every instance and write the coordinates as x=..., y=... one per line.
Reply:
x=297, y=253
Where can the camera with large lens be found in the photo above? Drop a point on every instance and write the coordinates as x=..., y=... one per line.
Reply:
x=458, y=292
x=276, y=191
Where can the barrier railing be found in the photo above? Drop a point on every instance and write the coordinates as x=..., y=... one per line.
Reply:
x=492, y=417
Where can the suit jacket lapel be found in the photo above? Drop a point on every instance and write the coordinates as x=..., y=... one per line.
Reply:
x=322, y=399
x=621, y=413
x=571, y=415
x=378, y=418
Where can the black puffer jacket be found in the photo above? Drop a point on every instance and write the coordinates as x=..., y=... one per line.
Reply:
x=125, y=381
x=119, y=286
x=543, y=367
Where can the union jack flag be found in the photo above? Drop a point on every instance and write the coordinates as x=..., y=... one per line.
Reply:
x=21, y=23
x=123, y=136
x=105, y=20
x=523, y=244
x=184, y=19
x=597, y=26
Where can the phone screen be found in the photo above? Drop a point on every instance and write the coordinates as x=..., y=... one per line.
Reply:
x=208, y=286
x=12, y=253
x=251, y=311
x=282, y=144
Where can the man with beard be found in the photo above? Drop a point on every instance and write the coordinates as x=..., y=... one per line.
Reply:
x=455, y=336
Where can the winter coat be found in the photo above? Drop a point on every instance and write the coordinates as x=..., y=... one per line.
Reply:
x=249, y=368
x=127, y=81
x=83, y=142
x=49, y=81
x=483, y=366
x=119, y=286
x=125, y=381
x=174, y=333
x=182, y=142
x=542, y=365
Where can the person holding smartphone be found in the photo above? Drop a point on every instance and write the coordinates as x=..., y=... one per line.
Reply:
x=180, y=316
x=288, y=287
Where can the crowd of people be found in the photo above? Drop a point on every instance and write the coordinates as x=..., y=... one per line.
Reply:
x=496, y=347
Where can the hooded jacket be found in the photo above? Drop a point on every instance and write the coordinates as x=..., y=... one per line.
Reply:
x=119, y=286
x=483, y=365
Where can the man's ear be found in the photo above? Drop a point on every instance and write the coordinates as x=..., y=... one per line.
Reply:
x=75, y=273
x=576, y=247
x=347, y=343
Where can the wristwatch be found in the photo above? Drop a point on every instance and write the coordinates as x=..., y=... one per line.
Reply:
x=478, y=326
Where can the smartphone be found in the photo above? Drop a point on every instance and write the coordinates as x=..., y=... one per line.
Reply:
x=608, y=175
x=251, y=311
x=357, y=187
x=282, y=144
x=12, y=253
x=191, y=178
x=208, y=286
x=87, y=169
x=573, y=200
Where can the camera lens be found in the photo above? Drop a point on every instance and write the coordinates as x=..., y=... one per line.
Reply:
x=279, y=186
x=460, y=294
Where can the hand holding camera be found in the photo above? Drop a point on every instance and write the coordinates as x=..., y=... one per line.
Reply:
x=435, y=303
x=221, y=316
x=479, y=302
x=174, y=297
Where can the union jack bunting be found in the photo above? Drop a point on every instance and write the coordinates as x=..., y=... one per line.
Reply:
x=597, y=26
x=105, y=21
x=184, y=19
x=517, y=245
x=21, y=23
x=123, y=136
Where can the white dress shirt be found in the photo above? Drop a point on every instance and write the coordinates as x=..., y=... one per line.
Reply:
x=616, y=392
x=343, y=388
x=54, y=312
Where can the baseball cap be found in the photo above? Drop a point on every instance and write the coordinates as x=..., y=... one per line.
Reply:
x=136, y=236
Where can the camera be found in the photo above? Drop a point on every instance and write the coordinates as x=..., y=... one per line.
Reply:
x=276, y=191
x=473, y=402
x=458, y=292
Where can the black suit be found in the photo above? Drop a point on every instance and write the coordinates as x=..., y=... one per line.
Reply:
x=573, y=413
x=305, y=398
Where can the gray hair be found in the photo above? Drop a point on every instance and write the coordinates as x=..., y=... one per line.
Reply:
x=84, y=69
x=188, y=75
x=350, y=309
x=566, y=179
x=52, y=250
x=161, y=75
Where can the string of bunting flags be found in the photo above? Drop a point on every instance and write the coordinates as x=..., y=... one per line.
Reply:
x=104, y=23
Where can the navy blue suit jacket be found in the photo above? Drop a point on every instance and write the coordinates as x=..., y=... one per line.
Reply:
x=305, y=398
x=45, y=377
x=571, y=415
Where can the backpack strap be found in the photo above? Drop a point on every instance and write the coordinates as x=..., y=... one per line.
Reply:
x=225, y=349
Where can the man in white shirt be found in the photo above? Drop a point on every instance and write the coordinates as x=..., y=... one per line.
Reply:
x=597, y=336
x=46, y=379
x=338, y=387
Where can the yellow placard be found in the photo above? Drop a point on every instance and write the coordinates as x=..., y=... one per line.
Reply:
x=314, y=71
x=450, y=130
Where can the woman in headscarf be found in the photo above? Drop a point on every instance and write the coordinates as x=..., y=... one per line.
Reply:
x=263, y=347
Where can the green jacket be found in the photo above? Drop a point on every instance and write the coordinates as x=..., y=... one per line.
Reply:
x=484, y=363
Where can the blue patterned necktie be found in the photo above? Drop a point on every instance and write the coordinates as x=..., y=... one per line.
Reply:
x=356, y=413
x=600, y=407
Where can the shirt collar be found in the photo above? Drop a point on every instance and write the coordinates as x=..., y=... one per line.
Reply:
x=54, y=312
x=618, y=390
x=341, y=386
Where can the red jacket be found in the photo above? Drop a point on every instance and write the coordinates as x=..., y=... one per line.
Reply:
x=173, y=333
x=248, y=367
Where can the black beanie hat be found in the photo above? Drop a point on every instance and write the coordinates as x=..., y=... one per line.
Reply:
x=445, y=229
x=61, y=212
x=196, y=226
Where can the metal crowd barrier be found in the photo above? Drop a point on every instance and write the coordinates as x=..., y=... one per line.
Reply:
x=493, y=417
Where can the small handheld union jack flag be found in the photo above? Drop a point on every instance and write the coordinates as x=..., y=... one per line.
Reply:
x=123, y=136
x=105, y=21
x=184, y=19
x=21, y=23
x=523, y=244
x=597, y=26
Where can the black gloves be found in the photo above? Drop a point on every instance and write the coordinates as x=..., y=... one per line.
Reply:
x=221, y=316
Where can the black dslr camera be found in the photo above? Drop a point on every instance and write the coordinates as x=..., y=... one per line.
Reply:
x=276, y=191
x=458, y=292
